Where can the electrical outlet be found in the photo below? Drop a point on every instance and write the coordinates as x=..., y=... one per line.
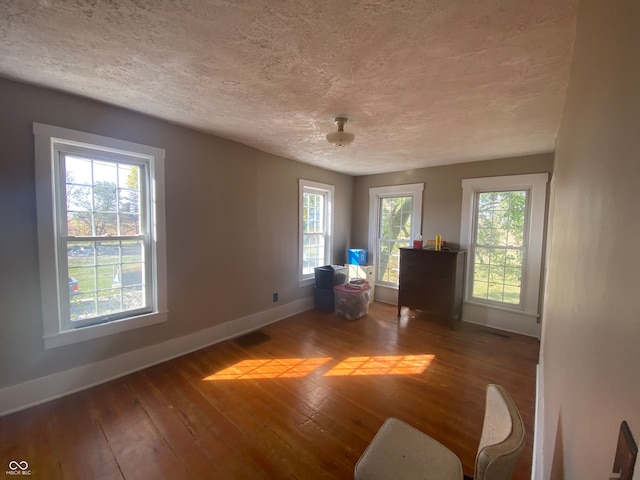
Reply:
x=275, y=297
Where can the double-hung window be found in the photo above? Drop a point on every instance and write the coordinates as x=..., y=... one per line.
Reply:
x=395, y=219
x=499, y=246
x=502, y=230
x=101, y=234
x=316, y=224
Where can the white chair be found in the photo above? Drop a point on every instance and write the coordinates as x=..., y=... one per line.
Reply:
x=400, y=452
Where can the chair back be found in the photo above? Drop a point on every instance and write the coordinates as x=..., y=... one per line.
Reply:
x=502, y=438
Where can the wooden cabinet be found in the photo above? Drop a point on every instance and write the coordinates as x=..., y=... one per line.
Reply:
x=432, y=282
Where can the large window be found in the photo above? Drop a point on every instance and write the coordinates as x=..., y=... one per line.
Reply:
x=395, y=219
x=316, y=213
x=502, y=231
x=101, y=241
x=499, y=247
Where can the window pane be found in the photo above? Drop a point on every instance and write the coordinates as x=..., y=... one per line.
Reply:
x=495, y=292
x=481, y=272
x=131, y=275
x=315, y=228
x=497, y=256
x=313, y=252
x=313, y=213
x=105, y=277
x=81, y=252
x=108, y=252
x=389, y=263
x=109, y=301
x=79, y=198
x=395, y=217
x=102, y=198
x=394, y=233
x=129, y=176
x=105, y=173
x=129, y=224
x=512, y=294
x=79, y=224
x=499, y=246
x=82, y=306
x=105, y=224
x=132, y=298
x=496, y=274
x=85, y=279
x=513, y=258
x=480, y=289
x=79, y=171
x=484, y=236
x=129, y=201
x=132, y=251
x=512, y=276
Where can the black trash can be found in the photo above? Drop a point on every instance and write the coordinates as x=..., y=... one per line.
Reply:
x=326, y=278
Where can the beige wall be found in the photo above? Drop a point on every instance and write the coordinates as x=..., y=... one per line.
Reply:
x=590, y=346
x=442, y=196
x=231, y=218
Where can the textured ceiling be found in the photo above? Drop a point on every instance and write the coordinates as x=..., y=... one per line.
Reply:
x=423, y=82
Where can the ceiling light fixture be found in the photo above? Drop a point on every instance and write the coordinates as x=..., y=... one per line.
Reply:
x=340, y=138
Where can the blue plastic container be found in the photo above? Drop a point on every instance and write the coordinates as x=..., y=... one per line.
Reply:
x=357, y=256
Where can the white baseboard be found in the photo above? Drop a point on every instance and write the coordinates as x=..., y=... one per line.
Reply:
x=537, y=461
x=43, y=389
x=502, y=319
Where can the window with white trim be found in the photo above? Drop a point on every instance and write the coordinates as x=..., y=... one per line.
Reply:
x=101, y=234
x=502, y=230
x=395, y=217
x=316, y=224
x=499, y=246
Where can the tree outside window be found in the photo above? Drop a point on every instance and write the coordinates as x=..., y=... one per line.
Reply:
x=395, y=214
x=395, y=232
x=499, y=246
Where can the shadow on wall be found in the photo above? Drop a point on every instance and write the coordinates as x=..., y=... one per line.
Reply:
x=557, y=463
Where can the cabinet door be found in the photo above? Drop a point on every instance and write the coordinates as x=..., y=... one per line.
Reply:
x=439, y=272
x=411, y=280
x=427, y=281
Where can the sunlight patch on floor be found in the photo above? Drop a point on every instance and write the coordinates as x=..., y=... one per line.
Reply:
x=269, y=368
x=386, y=365
x=300, y=367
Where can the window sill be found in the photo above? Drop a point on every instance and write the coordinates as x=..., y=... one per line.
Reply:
x=516, y=310
x=68, y=337
x=306, y=282
x=390, y=286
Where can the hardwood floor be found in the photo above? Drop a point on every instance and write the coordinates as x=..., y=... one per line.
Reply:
x=300, y=399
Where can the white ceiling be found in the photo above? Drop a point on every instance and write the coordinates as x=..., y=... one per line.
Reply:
x=423, y=82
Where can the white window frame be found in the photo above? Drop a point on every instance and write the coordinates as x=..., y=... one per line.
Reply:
x=328, y=192
x=376, y=194
x=54, y=285
x=536, y=185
